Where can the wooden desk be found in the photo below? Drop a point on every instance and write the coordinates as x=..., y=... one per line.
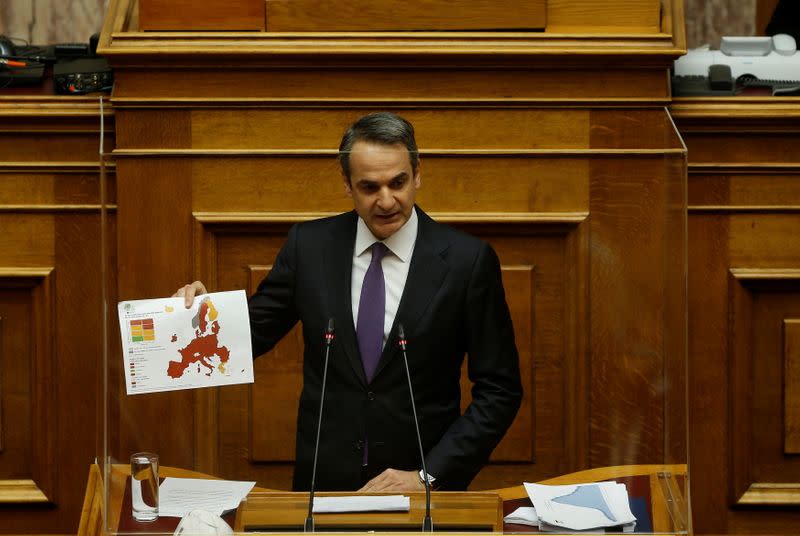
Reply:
x=277, y=511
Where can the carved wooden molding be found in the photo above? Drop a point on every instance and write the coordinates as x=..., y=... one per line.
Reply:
x=56, y=208
x=746, y=274
x=463, y=153
x=734, y=108
x=771, y=494
x=791, y=382
x=53, y=167
x=238, y=218
x=744, y=283
x=21, y=491
x=721, y=209
x=55, y=106
x=120, y=38
x=41, y=488
x=2, y=358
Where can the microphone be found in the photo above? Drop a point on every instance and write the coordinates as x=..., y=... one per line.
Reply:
x=329, y=336
x=427, y=522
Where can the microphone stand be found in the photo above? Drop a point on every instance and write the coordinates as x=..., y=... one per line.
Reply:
x=329, y=336
x=427, y=522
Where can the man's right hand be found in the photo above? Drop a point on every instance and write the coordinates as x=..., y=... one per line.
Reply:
x=189, y=292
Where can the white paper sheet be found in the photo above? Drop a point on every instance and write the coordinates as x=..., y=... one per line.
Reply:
x=611, y=499
x=524, y=515
x=179, y=496
x=362, y=503
x=167, y=347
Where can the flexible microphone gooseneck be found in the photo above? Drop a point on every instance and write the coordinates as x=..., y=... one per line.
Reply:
x=329, y=336
x=427, y=522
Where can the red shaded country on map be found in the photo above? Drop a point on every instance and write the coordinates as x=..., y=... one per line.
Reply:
x=204, y=346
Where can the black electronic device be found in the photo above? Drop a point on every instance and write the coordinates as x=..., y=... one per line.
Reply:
x=28, y=76
x=86, y=75
x=71, y=50
x=7, y=48
x=720, y=78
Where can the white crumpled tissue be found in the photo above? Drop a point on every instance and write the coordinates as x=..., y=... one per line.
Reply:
x=202, y=522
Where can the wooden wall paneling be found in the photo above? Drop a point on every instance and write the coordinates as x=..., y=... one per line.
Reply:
x=632, y=128
x=48, y=146
x=676, y=304
x=79, y=348
x=287, y=128
x=439, y=83
x=1, y=383
x=627, y=338
x=204, y=15
x=155, y=128
x=27, y=459
x=49, y=215
x=542, y=317
x=578, y=370
x=763, y=473
x=517, y=445
x=741, y=419
x=154, y=259
x=708, y=368
x=207, y=411
x=274, y=399
x=764, y=10
x=583, y=16
x=396, y=15
x=532, y=184
x=745, y=188
x=743, y=203
x=791, y=386
x=256, y=435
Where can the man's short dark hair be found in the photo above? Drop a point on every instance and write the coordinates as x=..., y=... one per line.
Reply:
x=386, y=128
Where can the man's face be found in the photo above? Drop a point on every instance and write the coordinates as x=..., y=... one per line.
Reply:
x=382, y=185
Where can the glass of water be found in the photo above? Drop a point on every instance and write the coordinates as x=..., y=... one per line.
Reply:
x=144, y=486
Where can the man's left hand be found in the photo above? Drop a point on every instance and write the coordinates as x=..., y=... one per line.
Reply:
x=395, y=480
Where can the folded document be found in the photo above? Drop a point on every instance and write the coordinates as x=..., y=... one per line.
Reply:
x=578, y=507
x=362, y=503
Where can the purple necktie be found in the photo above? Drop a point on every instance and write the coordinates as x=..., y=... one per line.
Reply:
x=371, y=312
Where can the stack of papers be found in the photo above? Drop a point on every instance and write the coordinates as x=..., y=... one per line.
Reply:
x=362, y=503
x=179, y=496
x=580, y=507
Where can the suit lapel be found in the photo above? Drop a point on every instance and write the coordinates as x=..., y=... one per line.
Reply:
x=425, y=276
x=338, y=269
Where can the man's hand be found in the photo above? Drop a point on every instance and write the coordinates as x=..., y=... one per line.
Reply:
x=189, y=292
x=395, y=480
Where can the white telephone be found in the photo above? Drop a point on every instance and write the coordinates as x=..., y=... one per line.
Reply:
x=766, y=58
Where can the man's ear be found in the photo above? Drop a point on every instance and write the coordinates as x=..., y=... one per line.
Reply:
x=347, y=188
x=418, y=175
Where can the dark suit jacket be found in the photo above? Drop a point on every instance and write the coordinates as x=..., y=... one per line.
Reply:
x=453, y=304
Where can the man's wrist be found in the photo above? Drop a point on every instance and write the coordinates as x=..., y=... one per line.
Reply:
x=431, y=479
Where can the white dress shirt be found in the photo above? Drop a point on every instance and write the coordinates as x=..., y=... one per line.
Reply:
x=395, y=266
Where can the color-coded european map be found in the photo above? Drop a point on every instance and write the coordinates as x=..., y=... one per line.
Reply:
x=169, y=347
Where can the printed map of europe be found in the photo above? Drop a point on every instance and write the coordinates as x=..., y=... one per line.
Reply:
x=202, y=349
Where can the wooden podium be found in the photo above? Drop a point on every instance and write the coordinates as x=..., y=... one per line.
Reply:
x=662, y=487
x=452, y=511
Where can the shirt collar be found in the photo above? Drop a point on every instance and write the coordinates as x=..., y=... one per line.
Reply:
x=401, y=243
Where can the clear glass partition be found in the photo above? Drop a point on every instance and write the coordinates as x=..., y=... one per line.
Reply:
x=590, y=235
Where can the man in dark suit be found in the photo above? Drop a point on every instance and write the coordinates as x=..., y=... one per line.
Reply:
x=383, y=264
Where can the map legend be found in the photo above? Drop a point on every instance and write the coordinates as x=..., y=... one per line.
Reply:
x=142, y=330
